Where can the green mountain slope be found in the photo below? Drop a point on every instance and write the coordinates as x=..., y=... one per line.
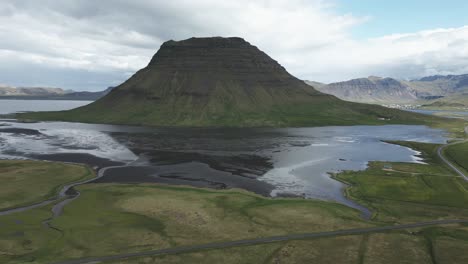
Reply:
x=222, y=82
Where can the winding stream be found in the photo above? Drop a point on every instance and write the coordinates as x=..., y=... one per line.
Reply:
x=62, y=196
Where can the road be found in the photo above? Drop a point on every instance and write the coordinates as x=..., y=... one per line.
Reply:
x=450, y=164
x=264, y=240
x=62, y=195
x=246, y=242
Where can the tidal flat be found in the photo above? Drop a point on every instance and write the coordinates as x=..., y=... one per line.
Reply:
x=271, y=162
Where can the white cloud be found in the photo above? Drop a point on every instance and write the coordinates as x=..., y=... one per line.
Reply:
x=438, y=51
x=116, y=38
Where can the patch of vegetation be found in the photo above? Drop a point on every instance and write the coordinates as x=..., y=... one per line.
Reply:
x=458, y=153
x=118, y=218
x=402, y=192
x=328, y=250
x=447, y=244
x=234, y=108
x=396, y=248
x=29, y=182
x=132, y=218
x=420, y=246
x=443, y=105
x=23, y=233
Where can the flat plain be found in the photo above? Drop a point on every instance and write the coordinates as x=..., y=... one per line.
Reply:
x=110, y=219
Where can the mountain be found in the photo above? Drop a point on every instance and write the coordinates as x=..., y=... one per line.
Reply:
x=316, y=85
x=40, y=93
x=439, y=85
x=88, y=96
x=436, y=89
x=30, y=91
x=450, y=91
x=222, y=82
x=371, y=90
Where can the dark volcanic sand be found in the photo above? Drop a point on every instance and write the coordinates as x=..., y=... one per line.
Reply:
x=190, y=173
x=178, y=169
x=246, y=165
x=83, y=158
x=21, y=131
x=217, y=159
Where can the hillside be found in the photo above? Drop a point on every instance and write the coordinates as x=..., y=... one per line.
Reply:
x=371, y=90
x=450, y=90
x=40, y=93
x=222, y=82
x=30, y=91
x=442, y=85
x=84, y=95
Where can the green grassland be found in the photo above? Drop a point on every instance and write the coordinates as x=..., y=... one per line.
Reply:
x=455, y=102
x=444, y=245
x=454, y=126
x=409, y=192
x=118, y=218
x=226, y=108
x=405, y=192
x=458, y=153
x=28, y=182
x=132, y=218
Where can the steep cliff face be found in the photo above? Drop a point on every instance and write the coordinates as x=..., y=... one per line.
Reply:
x=372, y=90
x=442, y=85
x=199, y=68
x=388, y=90
x=221, y=82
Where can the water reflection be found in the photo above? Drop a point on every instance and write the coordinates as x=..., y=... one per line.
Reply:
x=287, y=161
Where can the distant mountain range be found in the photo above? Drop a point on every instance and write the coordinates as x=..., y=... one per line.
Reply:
x=223, y=82
x=431, y=91
x=46, y=93
x=449, y=90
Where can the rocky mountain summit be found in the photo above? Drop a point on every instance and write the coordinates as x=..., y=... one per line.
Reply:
x=200, y=67
x=388, y=90
x=221, y=82
x=372, y=89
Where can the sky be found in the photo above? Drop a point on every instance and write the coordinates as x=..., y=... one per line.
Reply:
x=90, y=45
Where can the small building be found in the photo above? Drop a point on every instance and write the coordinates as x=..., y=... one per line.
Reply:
x=387, y=166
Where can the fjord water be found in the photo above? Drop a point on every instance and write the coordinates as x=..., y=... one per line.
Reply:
x=269, y=161
x=281, y=161
x=15, y=106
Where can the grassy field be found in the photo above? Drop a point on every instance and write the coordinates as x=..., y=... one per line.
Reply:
x=452, y=114
x=234, y=108
x=341, y=250
x=399, y=192
x=445, y=245
x=455, y=127
x=139, y=217
x=28, y=182
x=131, y=218
x=458, y=153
